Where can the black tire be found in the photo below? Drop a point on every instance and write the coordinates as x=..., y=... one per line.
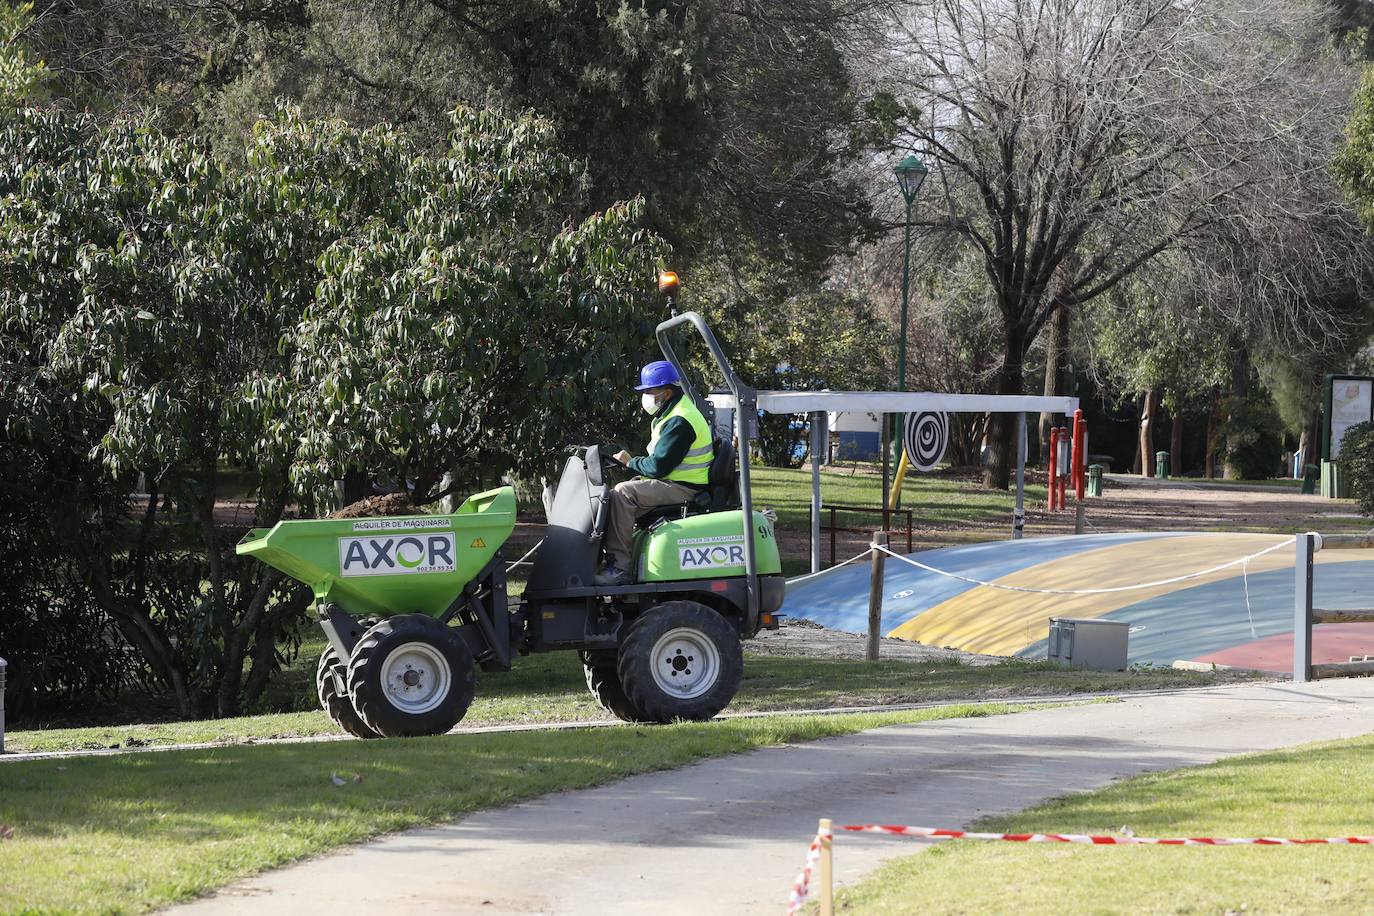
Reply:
x=438, y=659
x=696, y=644
x=338, y=705
x=603, y=681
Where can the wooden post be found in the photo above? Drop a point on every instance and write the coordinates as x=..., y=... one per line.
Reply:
x=875, y=594
x=827, y=869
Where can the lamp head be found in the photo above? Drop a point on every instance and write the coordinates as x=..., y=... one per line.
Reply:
x=911, y=173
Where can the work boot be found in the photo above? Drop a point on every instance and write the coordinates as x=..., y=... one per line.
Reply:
x=612, y=575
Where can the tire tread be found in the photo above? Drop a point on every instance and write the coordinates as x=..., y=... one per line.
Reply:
x=637, y=680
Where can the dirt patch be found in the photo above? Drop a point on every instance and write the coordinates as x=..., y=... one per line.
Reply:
x=386, y=504
x=804, y=639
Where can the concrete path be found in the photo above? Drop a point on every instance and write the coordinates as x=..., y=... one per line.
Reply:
x=728, y=835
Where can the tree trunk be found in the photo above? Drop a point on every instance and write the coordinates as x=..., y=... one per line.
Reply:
x=1002, y=425
x=1149, y=408
x=1240, y=390
x=354, y=486
x=1176, y=444
x=1312, y=436
x=1213, y=411
x=1056, y=366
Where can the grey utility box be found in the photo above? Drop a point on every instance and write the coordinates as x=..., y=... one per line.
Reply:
x=1087, y=643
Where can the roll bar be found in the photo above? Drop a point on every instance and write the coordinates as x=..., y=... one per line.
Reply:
x=746, y=409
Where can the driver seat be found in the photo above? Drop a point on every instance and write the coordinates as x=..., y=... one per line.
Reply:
x=721, y=493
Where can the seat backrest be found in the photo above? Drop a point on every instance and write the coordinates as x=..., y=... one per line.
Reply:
x=722, y=480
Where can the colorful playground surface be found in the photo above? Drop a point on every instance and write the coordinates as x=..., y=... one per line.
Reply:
x=1240, y=615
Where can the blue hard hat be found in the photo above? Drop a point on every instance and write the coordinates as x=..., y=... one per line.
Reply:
x=656, y=375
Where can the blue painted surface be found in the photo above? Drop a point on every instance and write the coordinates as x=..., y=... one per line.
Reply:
x=858, y=446
x=1192, y=622
x=839, y=600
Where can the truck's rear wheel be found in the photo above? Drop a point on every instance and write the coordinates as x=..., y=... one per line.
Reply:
x=680, y=660
x=411, y=675
x=338, y=705
x=603, y=680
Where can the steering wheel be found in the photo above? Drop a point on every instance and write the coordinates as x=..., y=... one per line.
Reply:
x=610, y=463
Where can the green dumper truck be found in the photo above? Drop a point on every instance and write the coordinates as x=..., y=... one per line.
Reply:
x=413, y=606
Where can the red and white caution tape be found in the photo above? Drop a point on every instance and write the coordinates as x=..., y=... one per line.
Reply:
x=1090, y=840
x=802, y=887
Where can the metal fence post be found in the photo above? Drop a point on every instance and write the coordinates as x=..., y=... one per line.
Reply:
x=3, y=665
x=1018, y=516
x=818, y=444
x=1302, y=611
x=875, y=594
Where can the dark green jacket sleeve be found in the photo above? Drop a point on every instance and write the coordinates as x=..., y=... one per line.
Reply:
x=674, y=442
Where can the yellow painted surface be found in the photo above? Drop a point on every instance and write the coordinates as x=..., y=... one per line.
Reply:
x=1000, y=622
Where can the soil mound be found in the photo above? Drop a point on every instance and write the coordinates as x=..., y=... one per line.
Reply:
x=376, y=506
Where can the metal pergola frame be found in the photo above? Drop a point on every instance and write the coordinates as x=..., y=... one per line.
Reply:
x=820, y=403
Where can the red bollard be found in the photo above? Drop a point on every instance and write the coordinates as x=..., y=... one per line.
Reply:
x=1065, y=467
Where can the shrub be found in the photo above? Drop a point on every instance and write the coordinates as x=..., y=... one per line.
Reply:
x=1249, y=439
x=1357, y=463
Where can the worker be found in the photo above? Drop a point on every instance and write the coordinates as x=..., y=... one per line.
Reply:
x=677, y=467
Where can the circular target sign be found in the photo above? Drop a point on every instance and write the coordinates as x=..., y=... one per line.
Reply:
x=926, y=437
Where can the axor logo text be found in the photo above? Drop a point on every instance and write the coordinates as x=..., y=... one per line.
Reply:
x=711, y=557
x=396, y=555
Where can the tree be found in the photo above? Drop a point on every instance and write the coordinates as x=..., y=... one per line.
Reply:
x=21, y=76
x=161, y=314
x=474, y=318
x=734, y=120
x=1357, y=460
x=952, y=335
x=779, y=338
x=1073, y=142
x=1159, y=351
x=138, y=289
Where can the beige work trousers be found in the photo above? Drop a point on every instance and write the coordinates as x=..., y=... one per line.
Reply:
x=631, y=499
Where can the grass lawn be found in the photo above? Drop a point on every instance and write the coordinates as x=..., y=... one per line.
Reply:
x=550, y=688
x=1314, y=791
x=130, y=832
x=932, y=498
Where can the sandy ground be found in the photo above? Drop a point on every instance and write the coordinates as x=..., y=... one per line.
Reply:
x=729, y=835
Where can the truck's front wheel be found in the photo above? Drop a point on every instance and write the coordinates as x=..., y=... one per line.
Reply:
x=328, y=676
x=411, y=675
x=680, y=660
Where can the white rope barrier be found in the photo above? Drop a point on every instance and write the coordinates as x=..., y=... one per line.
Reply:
x=1249, y=613
x=1089, y=591
x=853, y=559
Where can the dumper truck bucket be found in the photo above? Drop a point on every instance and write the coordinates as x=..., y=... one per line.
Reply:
x=395, y=565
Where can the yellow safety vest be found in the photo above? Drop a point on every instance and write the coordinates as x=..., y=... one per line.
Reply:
x=695, y=467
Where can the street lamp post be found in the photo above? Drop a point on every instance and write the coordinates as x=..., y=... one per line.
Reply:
x=911, y=174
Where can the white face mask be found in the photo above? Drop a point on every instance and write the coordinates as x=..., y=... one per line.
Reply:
x=648, y=402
